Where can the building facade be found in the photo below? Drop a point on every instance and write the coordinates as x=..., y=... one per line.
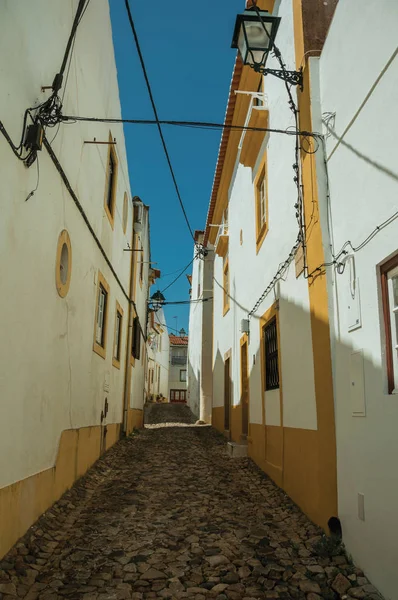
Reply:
x=271, y=357
x=200, y=379
x=70, y=285
x=305, y=360
x=178, y=370
x=357, y=87
x=157, y=384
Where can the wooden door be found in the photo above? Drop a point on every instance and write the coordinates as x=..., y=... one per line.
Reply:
x=244, y=382
x=227, y=394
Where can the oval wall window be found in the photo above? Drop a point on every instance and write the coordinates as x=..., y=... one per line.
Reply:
x=63, y=268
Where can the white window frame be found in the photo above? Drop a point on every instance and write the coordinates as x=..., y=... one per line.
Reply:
x=393, y=317
x=100, y=331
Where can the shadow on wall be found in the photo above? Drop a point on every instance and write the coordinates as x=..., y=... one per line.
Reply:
x=193, y=390
x=294, y=441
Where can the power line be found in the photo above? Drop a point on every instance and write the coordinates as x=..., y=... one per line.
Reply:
x=191, y=124
x=178, y=276
x=157, y=117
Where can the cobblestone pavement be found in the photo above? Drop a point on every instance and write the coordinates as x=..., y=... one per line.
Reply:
x=167, y=514
x=168, y=414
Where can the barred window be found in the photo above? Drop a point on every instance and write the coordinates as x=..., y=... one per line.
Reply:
x=271, y=356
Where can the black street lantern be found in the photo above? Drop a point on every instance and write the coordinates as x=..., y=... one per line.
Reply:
x=254, y=37
x=157, y=300
x=253, y=40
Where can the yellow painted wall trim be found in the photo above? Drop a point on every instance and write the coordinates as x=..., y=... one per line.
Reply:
x=253, y=140
x=23, y=502
x=261, y=230
x=135, y=419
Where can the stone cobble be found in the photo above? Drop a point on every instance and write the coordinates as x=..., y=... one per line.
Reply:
x=167, y=514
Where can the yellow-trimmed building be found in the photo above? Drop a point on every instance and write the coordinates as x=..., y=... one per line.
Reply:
x=271, y=367
x=74, y=294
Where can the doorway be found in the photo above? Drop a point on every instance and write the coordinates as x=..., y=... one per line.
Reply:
x=244, y=386
x=227, y=393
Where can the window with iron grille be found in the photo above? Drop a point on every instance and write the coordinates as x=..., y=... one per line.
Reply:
x=271, y=356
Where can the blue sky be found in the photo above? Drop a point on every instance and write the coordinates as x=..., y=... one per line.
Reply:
x=189, y=61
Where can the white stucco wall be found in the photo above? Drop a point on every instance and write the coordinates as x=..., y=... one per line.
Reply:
x=137, y=394
x=195, y=343
x=359, y=82
x=250, y=273
x=50, y=378
x=159, y=354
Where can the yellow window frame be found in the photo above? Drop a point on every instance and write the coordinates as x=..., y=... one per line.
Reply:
x=261, y=228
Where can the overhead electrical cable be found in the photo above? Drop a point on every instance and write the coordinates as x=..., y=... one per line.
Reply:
x=191, y=124
x=155, y=112
x=179, y=275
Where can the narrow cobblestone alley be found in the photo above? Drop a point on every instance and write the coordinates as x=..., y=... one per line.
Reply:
x=167, y=514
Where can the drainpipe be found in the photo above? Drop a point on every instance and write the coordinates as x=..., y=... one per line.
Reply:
x=127, y=371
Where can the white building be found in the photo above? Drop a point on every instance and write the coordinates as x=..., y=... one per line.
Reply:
x=358, y=88
x=200, y=380
x=271, y=369
x=73, y=307
x=178, y=370
x=158, y=356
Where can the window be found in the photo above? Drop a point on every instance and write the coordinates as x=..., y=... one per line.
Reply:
x=270, y=337
x=125, y=211
x=63, y=267
x=389, y=287
x=261, y=195
x=226, y=286
x=178, y=356
x=142, y=266
x=101, y=316
x=111, y=181
x=136, y=338
x=118, y=336
x=183, y=375
x=178, y=396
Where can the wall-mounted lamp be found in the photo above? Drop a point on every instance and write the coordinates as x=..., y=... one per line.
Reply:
x=156, y=301
x=254, y=36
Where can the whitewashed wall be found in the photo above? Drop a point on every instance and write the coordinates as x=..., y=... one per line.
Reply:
x=137, y=394
x=50, y=378
x=195, y=343
x=359, y=82
x=250, y=274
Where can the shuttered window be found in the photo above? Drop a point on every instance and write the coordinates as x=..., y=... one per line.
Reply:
x=136, y=338
x=271, y=356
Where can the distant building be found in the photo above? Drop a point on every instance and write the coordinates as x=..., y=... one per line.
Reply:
x=157, y=376
x=178, y=368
